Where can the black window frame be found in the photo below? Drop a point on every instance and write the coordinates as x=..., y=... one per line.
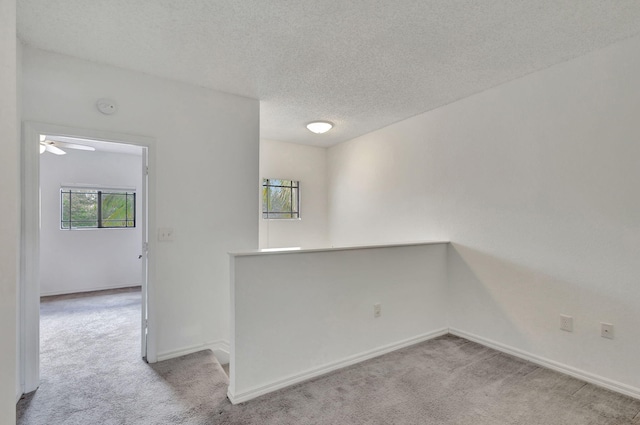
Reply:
x=294, y=211
x=100, y=220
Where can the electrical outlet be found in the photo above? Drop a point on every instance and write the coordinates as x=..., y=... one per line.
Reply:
x=566, y=323
x=377, y=310
x=606, y=330
x=165, y=234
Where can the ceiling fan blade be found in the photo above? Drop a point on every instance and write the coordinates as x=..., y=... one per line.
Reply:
x=71, y=145
x=55, y=150
x=43, y=147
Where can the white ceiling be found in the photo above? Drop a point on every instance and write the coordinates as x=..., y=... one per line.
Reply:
x=360, y=64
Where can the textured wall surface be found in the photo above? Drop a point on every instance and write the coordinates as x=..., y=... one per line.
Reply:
x=535, y=183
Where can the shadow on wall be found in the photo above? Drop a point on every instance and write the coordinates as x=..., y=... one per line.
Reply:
x=518, y=306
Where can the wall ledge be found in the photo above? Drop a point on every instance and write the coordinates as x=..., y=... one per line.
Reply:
x=298, y=250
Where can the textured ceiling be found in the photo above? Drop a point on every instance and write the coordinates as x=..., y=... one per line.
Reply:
x=360, y=64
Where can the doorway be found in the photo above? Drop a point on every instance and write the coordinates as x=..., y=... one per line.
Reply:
x=127, y=216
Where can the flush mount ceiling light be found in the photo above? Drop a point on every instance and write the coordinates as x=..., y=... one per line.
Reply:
x=319, y=127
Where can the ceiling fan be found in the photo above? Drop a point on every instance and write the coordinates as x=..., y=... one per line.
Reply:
x=53, y=146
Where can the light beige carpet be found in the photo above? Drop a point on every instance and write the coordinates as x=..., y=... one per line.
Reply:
x=92, y=374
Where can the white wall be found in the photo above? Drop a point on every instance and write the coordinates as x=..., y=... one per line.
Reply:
x=9, y=210
x=300, y=314
x=535, y=182
x=308, y=164
x=87, y=260
x=206, y=150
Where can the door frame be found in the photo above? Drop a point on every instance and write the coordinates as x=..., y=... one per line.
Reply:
x=29, y=320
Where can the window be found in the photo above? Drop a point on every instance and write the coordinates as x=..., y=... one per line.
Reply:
x=95, y=208
x=280, y=198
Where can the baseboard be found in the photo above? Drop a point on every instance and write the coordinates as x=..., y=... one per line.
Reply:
x=329, y=367
x=93, y=289
x=215, y=346
x=221, y=350
x=553, y=365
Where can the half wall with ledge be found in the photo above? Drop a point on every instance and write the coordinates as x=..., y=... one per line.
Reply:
x=298, y=314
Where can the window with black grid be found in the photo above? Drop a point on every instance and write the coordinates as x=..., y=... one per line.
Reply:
x=95, y=208
x=280, y=199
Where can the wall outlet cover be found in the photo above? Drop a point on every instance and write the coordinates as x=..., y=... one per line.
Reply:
x=606, y=330
x=566, y=323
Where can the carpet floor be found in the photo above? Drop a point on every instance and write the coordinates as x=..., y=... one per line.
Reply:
x=92, y=373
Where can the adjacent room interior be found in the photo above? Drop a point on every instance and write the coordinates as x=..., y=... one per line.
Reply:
x=91, y=265
x=90, y=234
x=466, y=233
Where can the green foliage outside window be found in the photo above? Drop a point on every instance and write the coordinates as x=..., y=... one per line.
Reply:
x=89, y=208
x=280, y=198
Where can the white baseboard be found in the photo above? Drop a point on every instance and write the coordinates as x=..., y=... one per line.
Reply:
x=551, y=364
x=221, y=351
x=92, y=289
x=221, y=347
x=329, y=367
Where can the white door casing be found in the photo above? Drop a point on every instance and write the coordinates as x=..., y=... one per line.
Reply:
x=29, y=321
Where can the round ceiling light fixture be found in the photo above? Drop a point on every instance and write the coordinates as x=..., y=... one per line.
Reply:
x=319, y=127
